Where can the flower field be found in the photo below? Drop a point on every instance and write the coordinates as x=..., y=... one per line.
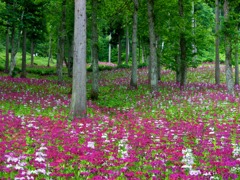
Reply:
x=129, y=134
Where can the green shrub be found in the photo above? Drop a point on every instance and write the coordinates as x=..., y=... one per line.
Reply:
x=141, y=65
x=121, y=66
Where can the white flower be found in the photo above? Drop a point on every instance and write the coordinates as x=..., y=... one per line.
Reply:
x=90, y=144
x=40, y=159
x=9, y=166
x=187, y=166
x=43, y=171
x=18, y=167
x=42, y=148
x=40, y=154
x=194, y=172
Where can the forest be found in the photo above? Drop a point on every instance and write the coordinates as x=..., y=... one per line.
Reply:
x=119, y=89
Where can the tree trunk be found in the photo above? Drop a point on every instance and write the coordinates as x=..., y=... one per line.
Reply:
x=127, y=45
x=61, y=49
x=153, y=53
x=119, y=50
x=32, y=52
x=109, y=52
x=236, y=63
x=228, y=50
x=13, y=52
x=95, y=73
x=143, y=51
x=79, y=95
x=217, y=43
x=50, y=50
x=7, y=51
x=133, y=82
x=183, y=49
x=70, y=58
x=24, y=56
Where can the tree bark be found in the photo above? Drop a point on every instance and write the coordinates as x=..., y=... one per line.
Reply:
x=7, y=51
x=228, y=50
x=119, y=50
x=217, y=43
x=50, y=50
x=70, y=58
x=95, y=73
x=13, y=51
x=183, y=49
x=79, y=95
x=127, y=45
x=236, y=63
x=133, y=82
x=24, y=56
x=61, y=49
x=153, y=53
x=32, y=52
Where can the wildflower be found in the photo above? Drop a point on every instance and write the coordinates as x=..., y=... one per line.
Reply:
x=40, y=159
x=90, y=144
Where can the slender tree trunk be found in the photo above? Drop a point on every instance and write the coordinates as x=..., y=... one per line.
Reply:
x=217, y=43
x=119, y=50
x=228, y=50
x=50, y=50
x=178, y=75
x=13, y=52
x=95, y=73
x=236, y=63
x=70, y=59
x=109, y=52
x=153, y=53
x=79, y=94
x=127, y=44
x=62, y=38
x=133, y=82
x=194, y=48
x=32, y=52
x=24, y=56
x=183, y=49
x=7, y=51
x=143, y=51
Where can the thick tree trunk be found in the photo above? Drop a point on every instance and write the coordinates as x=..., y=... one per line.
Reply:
x=24, y=55
x=95, y=73
x=217, y=43
x=153, y=53
x=228, y=50
x=127, y=45
x=62, y=38
x=79, y=95
x=236, y=64
x=133, y=82
x=119, y=50
x=32, y=52
x=183, y=49
x=7, y=51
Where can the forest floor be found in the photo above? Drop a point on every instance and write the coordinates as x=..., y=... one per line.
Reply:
x=129, y=134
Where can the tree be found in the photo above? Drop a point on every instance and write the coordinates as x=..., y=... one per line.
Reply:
x=133, y=82
x=228, y=49
x=153, y=52
x=217, y=43
x=95, y=74
x=183, y=48
x=79, y=100
x=61, y=43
